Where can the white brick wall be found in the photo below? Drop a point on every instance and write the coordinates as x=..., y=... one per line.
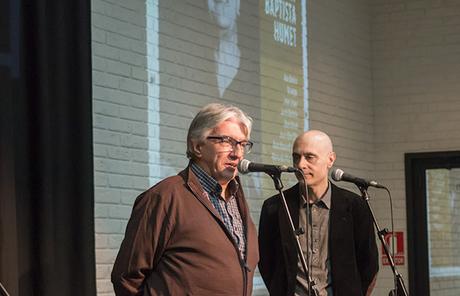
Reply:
x=340, y=80
x=121, y=123
x=416, y=61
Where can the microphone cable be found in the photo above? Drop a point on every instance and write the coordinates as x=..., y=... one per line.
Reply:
x=395, y=282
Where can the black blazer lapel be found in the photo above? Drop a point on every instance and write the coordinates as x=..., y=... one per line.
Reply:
x=339, y=219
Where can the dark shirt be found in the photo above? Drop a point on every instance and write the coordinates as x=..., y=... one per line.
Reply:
x=317, y=236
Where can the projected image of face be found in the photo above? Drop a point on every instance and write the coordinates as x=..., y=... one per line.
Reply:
x=227, y=54
x=224, y=12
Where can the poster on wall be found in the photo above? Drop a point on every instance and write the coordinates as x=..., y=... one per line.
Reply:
x=399, y=248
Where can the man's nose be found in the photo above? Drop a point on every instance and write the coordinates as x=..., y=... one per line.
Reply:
x=303, y=163
x=237, y=151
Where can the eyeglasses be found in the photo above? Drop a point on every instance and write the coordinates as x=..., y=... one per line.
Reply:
x=230, y=143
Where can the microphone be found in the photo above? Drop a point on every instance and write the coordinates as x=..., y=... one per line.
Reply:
x=245, y=166
x=339, y=175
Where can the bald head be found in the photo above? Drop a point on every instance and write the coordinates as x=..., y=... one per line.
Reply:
x=312, y=152
x=316, y=138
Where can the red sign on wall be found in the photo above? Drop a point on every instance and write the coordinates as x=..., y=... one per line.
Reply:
x=399, y=248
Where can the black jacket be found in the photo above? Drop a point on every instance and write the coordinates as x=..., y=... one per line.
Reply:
x=352, y=247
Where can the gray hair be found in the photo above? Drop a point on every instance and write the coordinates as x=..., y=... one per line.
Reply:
x=211, y=116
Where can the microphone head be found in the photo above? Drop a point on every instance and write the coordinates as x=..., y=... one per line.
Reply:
x=243, y=166
x=336, y=174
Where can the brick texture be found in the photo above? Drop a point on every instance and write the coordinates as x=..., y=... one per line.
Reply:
x=415, y=62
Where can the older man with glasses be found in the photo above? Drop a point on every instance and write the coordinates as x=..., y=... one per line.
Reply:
x=192, y=234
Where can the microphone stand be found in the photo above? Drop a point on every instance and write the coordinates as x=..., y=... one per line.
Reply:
x=3, y=291
x=296, y=233
x=400, y=289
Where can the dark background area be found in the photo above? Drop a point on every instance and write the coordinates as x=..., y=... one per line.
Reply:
x=46, y=166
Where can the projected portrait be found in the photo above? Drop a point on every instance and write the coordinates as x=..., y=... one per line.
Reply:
x=227, y=54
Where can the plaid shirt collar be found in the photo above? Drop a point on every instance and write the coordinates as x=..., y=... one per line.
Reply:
x=209, y=184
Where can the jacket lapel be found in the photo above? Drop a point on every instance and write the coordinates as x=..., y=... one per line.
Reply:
x=338, y=218
x=195, y=187
x=197, y=190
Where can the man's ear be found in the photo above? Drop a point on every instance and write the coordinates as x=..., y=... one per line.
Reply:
x=331, y=159
x=197, y=148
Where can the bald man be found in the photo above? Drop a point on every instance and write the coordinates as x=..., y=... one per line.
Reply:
x=343, y=257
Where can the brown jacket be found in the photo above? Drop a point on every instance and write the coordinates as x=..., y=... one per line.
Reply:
x=176, y=244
